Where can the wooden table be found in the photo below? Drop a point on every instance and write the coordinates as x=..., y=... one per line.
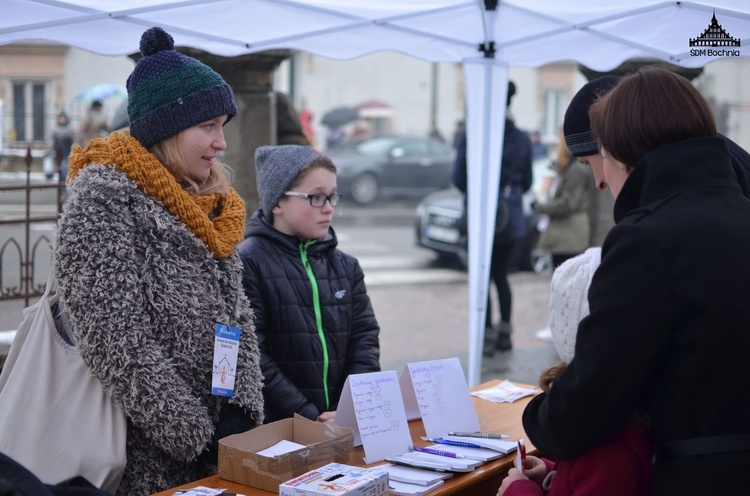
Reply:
x=493, y=417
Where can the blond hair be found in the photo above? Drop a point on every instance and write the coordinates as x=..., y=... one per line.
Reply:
x=168, y=153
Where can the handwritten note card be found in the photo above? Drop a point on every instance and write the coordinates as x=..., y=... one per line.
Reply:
x=372, y=406
x=438, y=389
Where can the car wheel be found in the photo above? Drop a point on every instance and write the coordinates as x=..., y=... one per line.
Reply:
x=364, y=189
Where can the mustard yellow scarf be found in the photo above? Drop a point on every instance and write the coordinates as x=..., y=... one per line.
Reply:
x=220, y=234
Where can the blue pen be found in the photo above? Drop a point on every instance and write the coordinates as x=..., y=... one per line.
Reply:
x=440, y=440
x=434, y=451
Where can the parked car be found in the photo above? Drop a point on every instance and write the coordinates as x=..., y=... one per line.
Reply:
x=389, y=165
x=441, y=226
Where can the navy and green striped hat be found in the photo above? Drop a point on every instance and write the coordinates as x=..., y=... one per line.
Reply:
x=169, y=92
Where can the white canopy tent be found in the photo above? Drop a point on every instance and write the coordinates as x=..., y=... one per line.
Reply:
x=487, y=36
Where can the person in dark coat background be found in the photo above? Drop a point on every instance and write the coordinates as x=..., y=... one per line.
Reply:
x=515, y=180
x=313, y=318
x=668, y=325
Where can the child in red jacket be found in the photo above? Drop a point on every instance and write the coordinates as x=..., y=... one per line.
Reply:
x=617, y=466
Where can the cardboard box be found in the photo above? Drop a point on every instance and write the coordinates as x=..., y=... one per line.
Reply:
x=339, y=479
x=325, y=443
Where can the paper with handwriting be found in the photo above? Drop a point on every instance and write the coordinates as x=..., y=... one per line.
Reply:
x=438, y=390
x=371, y=404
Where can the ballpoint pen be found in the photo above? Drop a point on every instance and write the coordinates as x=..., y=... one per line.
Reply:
x=483, y=435
x=419, y=465
x=440, y=440
x=434, y=451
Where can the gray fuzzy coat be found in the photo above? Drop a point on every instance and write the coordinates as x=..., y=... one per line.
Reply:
x=143, y=294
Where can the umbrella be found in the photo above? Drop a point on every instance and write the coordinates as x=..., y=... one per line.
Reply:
x=339, y=116
x=101, y=92
x=120, y=119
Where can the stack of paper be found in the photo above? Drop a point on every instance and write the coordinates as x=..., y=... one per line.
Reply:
x=414, y=475
x=416, y=458
x=406, y=489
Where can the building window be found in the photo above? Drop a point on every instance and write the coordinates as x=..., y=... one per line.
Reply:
x=28, y=121
x=554, y=110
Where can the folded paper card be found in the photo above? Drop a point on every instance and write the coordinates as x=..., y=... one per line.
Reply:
x=437, y=391
x=372, y=406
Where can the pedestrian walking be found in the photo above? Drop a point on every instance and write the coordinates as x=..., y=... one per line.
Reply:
x=510, y=223
x=93, y=125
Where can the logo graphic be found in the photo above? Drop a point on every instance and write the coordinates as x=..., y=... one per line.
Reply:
x=714, y=36
x=340, y=294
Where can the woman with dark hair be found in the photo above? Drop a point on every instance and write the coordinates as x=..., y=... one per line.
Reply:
x=668, y=325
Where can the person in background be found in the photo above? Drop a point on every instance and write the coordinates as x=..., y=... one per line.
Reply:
x=305, y=119
x=567, y=232
x=148, y=272
x=669, y=291
x=313, y=318
x=617, y=466
x=289, y=129
x=538, y=149
x=62, y=141
x=510, y=224
x=459, y=135
x=93, y=125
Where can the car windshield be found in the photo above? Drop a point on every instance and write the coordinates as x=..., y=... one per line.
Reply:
x=375, y=146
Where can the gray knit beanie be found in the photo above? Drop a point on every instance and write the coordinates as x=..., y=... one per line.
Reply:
x=276, y=168
x=169, y=92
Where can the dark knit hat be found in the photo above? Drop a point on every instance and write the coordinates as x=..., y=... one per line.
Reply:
x=580, y=139
x=276, y=168
x=169, y=92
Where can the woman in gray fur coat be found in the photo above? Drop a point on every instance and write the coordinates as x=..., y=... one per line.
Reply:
x=146, y=267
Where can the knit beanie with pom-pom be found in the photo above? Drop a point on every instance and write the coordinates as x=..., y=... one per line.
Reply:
x=169, y=92
x=568, y=300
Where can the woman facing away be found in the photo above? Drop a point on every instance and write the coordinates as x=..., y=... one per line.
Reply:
x=146, y=266
x=617, y=466
x=670, y=291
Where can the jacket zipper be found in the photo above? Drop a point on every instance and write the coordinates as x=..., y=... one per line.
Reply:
x=318, y=316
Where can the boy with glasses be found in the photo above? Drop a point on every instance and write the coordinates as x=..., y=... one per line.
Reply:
x=313, y=318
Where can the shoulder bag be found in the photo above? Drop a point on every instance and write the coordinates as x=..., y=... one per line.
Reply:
x=55, y=418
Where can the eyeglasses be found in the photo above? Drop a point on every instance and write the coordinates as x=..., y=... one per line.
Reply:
x=317, y=200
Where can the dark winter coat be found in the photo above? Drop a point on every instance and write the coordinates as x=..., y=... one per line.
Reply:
x=669, y=327
x=289, y=282
x=515, y=179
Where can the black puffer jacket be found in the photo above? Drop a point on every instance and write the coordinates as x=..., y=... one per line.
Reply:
x=290, y=297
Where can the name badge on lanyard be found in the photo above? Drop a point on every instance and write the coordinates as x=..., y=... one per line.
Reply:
x=226, y=347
